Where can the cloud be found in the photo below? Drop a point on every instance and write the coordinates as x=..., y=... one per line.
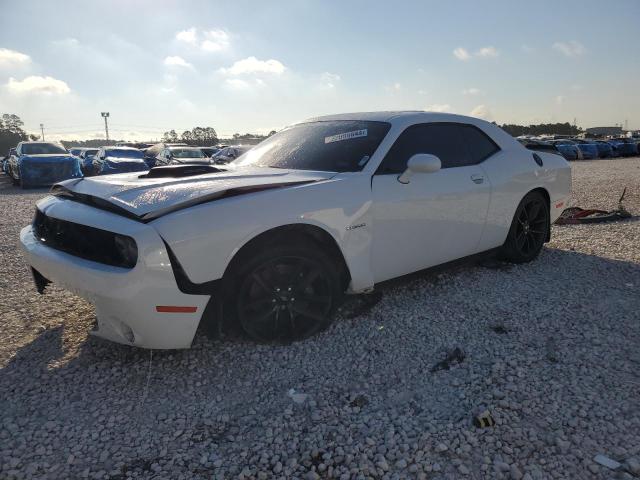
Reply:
x=528, y=49
x=215, y=41
x=37, y=84
x=560, y=99
x=438, y=107
x=176, y=61
x=572, y=48
x=422, y=92
x=481, y=111
x=461, y=54
x=251, y=65
x=487, y=52
x=329, y=80
x=471, y=91
x=13, y=59
x=207, y=40
x=187, y=36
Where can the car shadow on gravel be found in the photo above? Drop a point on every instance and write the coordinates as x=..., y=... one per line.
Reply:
x=48, y=345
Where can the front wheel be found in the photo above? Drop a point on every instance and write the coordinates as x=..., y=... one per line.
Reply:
x=283, y=294
x=529, y=229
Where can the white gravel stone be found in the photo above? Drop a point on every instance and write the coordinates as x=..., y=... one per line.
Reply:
x=561, y=380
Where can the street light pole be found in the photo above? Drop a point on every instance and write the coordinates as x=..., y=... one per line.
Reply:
x=105, y=115
x=42, y=129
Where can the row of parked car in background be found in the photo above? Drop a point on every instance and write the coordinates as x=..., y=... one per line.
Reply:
x=584, y=148
x=32, y=164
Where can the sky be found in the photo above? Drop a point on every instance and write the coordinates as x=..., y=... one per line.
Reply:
x=255, y=66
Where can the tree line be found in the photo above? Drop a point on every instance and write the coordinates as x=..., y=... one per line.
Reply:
x=541, y=129
x=11, y=132
x=205, y=136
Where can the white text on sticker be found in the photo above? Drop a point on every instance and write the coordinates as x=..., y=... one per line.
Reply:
x=346, y=136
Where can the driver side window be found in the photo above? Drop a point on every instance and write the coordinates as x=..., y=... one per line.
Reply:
x=456, y=145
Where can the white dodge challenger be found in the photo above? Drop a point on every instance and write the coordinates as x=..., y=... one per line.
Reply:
x=272, y=240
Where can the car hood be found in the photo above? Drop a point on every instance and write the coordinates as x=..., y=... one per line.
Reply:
x=144, y=198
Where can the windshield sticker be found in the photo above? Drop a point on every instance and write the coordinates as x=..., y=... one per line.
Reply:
x=346, y=136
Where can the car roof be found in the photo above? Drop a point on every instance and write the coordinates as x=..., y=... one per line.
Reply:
x=388, y=116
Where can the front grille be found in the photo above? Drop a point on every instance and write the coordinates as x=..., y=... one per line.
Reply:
x=86, y=242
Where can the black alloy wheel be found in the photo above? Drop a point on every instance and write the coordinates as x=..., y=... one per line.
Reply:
x=286, y=298
x=529, y=229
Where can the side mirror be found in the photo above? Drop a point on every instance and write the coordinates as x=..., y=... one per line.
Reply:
x=102, y=157
x=420, y=163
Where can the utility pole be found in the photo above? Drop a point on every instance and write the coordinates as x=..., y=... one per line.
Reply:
x=42, y=129
x=105, y=115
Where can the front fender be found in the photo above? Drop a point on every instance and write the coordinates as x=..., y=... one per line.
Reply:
x=205, y=238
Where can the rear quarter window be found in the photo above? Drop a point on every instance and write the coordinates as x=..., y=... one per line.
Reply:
x=479, y=144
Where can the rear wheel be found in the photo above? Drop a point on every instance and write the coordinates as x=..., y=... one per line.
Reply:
x=284, y=294
x=529, y=229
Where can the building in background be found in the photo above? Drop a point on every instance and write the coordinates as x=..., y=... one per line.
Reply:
x=604, y=131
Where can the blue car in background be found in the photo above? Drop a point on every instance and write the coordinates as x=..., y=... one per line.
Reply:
x=110, y=160
x=37, y=164
x=588, y=148
x=567, y=148
x=605, y=149
x=625, y=147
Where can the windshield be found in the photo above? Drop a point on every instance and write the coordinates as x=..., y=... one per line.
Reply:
x=42, y=149
x=124, y=153
x=187, y=153
x=332, y=146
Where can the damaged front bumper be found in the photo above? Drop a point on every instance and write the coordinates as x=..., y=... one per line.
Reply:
x=141, y=306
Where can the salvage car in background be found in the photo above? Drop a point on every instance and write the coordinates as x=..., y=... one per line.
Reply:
x=36, y=164
x=273, y=239
x=210, y=151
x=182, y=155
x=625, y=147
x=110, y=160
x=588, y=148
x=228, y=154
x=5, y=160
x=605, y=150
x=567, y=148
x=86, y=157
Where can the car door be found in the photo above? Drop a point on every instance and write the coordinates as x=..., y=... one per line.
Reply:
x=435, y=218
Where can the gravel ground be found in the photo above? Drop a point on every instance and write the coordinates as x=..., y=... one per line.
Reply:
x=550, y=349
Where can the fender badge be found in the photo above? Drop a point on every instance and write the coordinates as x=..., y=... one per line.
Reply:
x=353, y=227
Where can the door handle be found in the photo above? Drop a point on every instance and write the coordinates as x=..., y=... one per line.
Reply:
x=477, y=178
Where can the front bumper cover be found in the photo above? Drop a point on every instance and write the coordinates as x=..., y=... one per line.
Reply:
x=126, y=300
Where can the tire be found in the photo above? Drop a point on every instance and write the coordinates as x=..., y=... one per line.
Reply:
x=285, y=293
x=529, y=229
